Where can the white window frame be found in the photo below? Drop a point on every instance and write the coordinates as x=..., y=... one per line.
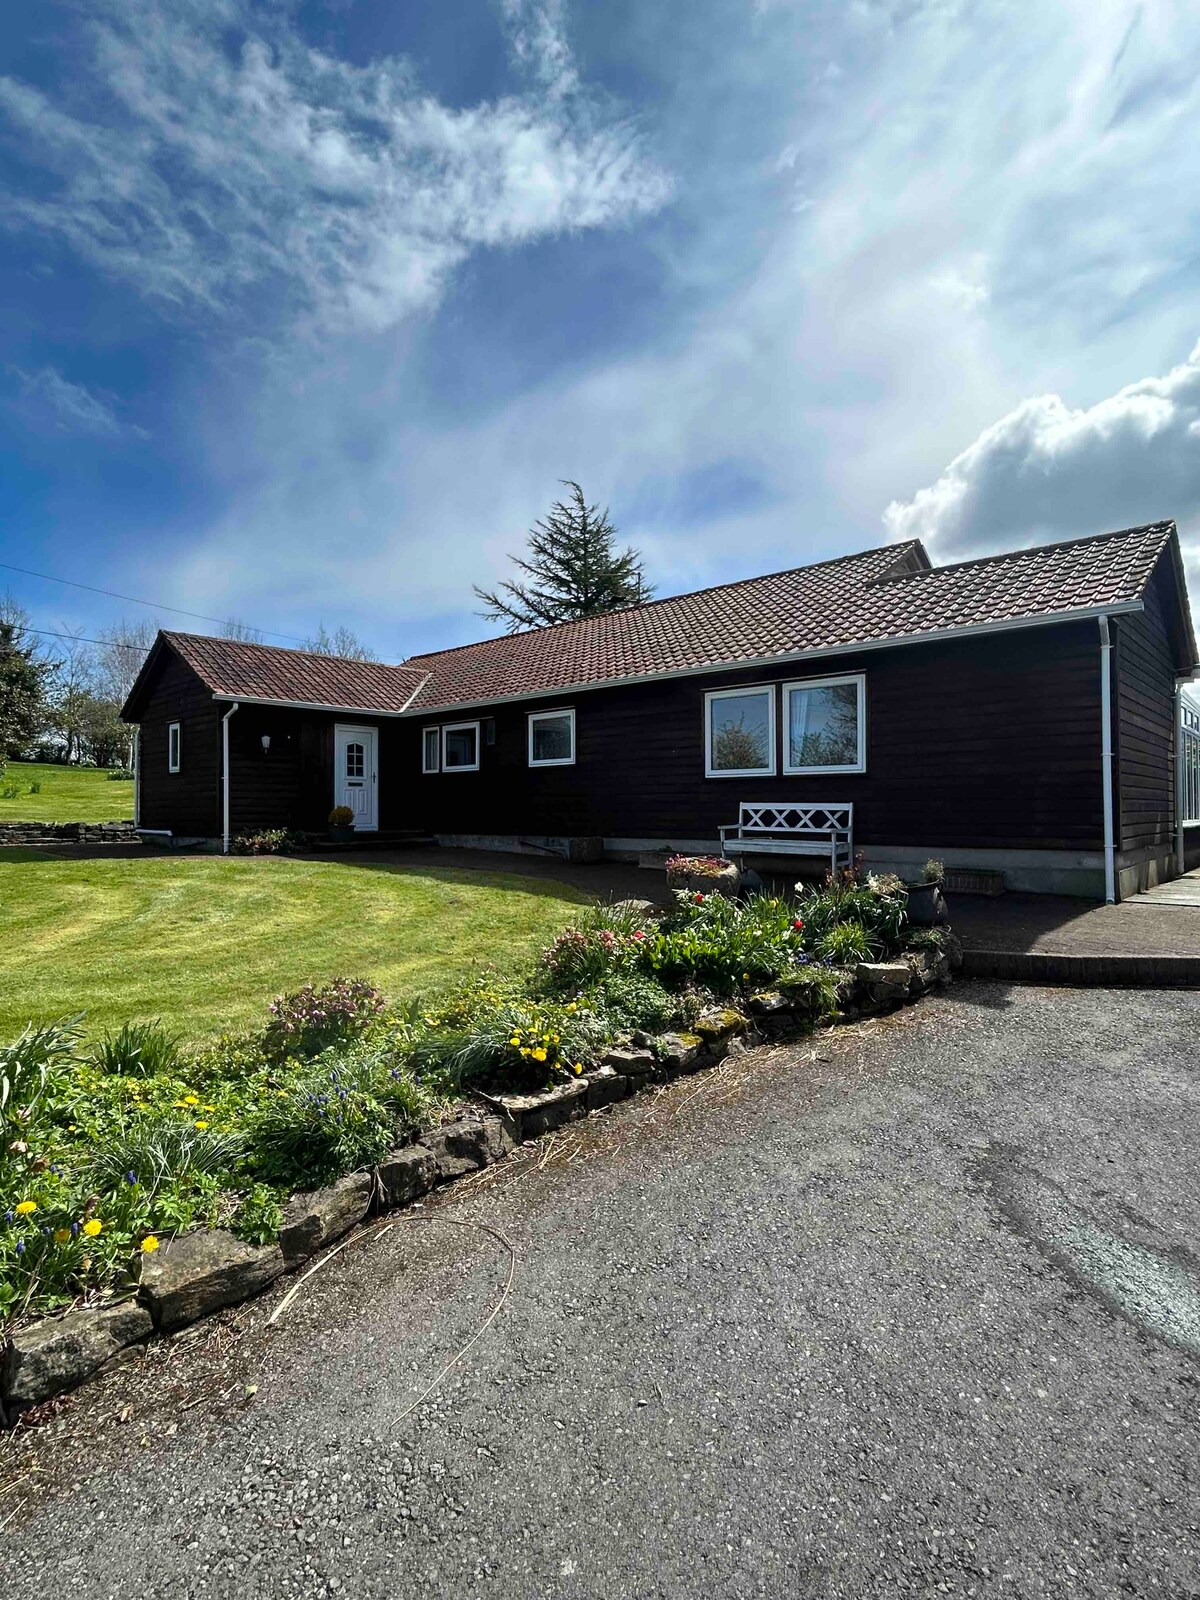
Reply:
x=859, y=679
x=769, y=771
x=174, y=746
x=437, y=740
x=535, y=717
x=458, y=727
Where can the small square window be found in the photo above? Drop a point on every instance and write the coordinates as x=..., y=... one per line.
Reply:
x=739, y=732
x=174, y=746
x=431, y=750
x=460, y=747
x=551, y=738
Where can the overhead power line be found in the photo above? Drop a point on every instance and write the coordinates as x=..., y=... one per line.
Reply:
x=78, y=638
x=133, y=600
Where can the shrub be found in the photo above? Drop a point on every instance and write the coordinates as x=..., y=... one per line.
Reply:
x=266, y=842
x=310, y=1020
x=341, y=817
x=10, y=791
x=346, y=1111
x=259, y=1215
x=523, y=1045
x=120, y=774
x=138, y=1050
x=36, y=786
x=628, y=1000
x=933, y=871
x=724, y=944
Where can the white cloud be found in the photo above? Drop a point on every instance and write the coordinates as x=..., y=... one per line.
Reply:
x=1049, y=470
x=201, y=170
x=72, y=407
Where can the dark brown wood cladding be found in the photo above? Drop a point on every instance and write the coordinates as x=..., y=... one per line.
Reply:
x=1144, y=712
x=988, y=742
x=187, y=801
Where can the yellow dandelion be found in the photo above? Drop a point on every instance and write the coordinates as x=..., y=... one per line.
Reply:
x=577, y=1068
x=191, y=1099
x=516, y=1039
x=26, y=1208
x=92, y=1227
x=201, y=1126
x=149, y=1245
x=539, y=1054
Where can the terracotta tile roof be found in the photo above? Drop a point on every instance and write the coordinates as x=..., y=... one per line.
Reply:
x=242, y=671
x=878, y=595
x=870, y=598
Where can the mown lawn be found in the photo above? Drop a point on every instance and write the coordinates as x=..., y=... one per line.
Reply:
x=66, y=794
x=205, y=942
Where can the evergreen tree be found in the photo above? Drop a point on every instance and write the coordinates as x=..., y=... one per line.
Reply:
x=22, y=693
x=575, y=568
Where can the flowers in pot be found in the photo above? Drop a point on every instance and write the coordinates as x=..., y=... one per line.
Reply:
x=703, y=874
x=341, y=823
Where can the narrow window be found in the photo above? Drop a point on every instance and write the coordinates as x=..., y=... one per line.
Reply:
x=431, y=750
x=460, y=747
x=739, y=732
x=174, y=746
x=825, y=725
x=551, y=738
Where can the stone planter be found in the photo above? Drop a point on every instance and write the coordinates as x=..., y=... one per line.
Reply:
x=728, y=881
x=341, y=832
x=926, y=905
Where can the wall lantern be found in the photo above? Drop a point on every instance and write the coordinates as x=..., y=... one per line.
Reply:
x=266, y=739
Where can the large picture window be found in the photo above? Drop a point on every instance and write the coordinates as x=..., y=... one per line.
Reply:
x=460, y=747
x=174, y=746
x=739, y=732
x=551, y=738
x=824, y=725
x=431, y=750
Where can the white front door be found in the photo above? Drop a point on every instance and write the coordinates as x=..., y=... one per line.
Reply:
x=355, y=774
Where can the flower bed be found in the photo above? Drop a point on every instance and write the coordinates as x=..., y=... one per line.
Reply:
x=112, y=1146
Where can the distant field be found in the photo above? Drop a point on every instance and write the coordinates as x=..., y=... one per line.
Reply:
x=65, y=794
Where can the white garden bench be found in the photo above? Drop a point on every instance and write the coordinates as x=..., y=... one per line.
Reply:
x=791, y=830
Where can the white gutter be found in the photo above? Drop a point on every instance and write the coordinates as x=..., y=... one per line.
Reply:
x=319, y=705
x=1180, y=780
x=1106, y=759
x=225, y=778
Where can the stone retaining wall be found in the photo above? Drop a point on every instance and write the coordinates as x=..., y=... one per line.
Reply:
x=27, y=833
x=202, y=1272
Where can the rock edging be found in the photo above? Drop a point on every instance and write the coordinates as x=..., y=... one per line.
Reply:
x=210, y=1269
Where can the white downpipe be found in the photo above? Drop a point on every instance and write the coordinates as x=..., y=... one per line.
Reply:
x=1106, y=759
x=1180, y=781
x=225, y=778
x=135, y=751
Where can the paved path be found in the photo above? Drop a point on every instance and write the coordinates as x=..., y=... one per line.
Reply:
x=1150, y=926
x=910, y=1310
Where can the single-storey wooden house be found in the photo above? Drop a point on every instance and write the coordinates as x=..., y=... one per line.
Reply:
x=1018, y=714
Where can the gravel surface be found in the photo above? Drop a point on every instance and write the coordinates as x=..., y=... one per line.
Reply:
x=910, y=1309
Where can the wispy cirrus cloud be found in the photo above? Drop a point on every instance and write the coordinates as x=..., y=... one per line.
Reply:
x=46, y=396
x=210, y=157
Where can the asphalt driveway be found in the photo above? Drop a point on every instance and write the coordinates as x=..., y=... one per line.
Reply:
x=911, y=1309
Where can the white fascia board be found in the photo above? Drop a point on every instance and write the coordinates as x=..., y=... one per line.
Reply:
x=753, y=663
x=311, y=705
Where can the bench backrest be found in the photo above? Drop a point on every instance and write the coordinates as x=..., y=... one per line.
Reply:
x=795, y=819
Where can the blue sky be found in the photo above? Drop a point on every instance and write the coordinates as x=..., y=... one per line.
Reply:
x=305, y=308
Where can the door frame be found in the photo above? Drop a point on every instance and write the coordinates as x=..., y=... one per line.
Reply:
x=345, y=733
